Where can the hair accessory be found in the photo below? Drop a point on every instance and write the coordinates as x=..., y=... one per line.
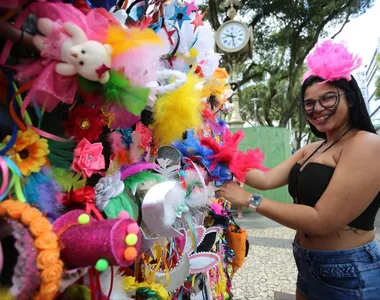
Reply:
x=45, y=243
x=331, y=61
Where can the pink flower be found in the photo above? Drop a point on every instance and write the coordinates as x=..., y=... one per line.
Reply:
x=331, y=61
x=146, y=135
x=88, y=158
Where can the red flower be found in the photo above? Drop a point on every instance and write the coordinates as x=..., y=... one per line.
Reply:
x=79, y=197
x=84, y=122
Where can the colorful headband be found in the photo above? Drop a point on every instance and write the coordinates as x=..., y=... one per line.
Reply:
x=331, y=61
x=39, y=263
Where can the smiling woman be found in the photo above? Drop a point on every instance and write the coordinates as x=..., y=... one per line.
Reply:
x=334, y=184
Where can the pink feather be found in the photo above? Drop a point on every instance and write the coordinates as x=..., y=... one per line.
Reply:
x=137, y=168
x=115, y=140
x=140, y=71
x=331, y=61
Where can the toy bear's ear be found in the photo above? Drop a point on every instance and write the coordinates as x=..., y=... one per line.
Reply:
x=108, y=49
x=77, y=34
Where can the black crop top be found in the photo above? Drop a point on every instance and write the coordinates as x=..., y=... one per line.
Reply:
x=308, y=185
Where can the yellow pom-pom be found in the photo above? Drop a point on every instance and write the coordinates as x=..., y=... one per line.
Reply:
x=177, y=111
x=84, y=219
x=131, y=239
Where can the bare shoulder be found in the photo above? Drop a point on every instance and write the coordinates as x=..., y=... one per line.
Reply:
x=311, y=147
x=367, y=141
x=365, y=145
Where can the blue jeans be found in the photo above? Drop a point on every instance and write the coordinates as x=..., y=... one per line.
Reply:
x=339, y=274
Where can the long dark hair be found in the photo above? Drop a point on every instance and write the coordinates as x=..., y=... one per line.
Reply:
x=358, y=114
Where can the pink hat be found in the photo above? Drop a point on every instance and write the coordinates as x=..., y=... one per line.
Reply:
x=116, y=240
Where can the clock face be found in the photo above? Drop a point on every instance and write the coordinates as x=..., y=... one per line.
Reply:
x=233, y=36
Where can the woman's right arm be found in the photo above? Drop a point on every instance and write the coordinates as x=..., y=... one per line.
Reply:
x=276, y=177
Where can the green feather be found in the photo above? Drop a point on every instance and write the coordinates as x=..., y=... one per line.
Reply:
x=121, y=203
x=61, y=154
x=89, y=86
x=119, y=90
x=68, y=180
x=131, y=182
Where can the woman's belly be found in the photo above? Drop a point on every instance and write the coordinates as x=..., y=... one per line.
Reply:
x=345, y=238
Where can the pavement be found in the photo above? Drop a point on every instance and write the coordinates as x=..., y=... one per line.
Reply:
x=269, y=271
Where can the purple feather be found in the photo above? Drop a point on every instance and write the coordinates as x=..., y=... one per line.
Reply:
x=137, y=168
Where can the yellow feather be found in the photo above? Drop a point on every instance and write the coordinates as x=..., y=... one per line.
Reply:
x=123, y=40
x=177, y=111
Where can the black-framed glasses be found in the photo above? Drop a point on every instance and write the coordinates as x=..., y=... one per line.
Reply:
x=327, y=101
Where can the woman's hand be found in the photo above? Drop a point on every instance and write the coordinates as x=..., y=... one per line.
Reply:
x=234, y=193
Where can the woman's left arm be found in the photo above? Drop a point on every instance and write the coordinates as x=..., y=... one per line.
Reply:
x=355, y=183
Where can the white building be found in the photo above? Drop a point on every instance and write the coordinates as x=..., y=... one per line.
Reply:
x=372, y=73
x=360, y=77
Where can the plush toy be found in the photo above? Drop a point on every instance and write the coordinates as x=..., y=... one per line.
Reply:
x=69, y=45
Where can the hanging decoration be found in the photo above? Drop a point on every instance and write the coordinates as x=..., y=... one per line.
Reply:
x=112, y=146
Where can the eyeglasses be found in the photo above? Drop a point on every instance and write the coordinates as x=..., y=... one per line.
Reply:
x=327, y=100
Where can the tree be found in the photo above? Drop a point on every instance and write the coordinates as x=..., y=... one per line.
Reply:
x=377, y=91
x=284, y=33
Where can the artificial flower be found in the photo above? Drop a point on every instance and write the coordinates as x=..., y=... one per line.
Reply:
x=81, y=196
x=47, y=257
x=331, y=61
x=47, y=240
x=88, y=158
x=52, y=273
x=15, y=210
x=108, y=187
x=28, y=152
x=84, y=122
x=39, y=226
x=30, y=214
x=146, y=135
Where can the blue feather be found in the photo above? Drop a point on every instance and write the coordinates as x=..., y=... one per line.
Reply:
x=41, y=191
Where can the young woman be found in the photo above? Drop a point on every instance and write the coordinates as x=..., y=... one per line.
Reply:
x=335, y=184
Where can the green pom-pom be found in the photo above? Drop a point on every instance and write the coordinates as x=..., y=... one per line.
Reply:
x=101, y=265
x=84, y=219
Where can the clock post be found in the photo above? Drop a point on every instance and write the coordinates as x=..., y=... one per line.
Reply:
x=235, y=120
x=234, y=40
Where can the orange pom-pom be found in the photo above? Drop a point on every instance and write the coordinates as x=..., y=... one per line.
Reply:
x=130, y=253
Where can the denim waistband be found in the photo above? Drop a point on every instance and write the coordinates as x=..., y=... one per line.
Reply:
x=369, y=251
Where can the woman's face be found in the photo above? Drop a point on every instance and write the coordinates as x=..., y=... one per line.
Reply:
x=326, y=107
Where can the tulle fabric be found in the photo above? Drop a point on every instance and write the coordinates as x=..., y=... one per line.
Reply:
x=50, y=88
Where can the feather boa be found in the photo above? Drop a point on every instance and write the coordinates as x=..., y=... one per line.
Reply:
x=178, y=111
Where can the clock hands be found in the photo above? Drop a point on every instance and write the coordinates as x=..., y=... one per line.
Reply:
x=233, y=39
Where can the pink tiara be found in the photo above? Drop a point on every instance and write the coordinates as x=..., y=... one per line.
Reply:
x=331, y=61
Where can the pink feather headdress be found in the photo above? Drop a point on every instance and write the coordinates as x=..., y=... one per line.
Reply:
x=331, y=61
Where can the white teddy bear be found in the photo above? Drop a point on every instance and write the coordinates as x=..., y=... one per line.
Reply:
x=69, y=44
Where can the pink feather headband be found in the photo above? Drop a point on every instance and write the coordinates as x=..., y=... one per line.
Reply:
x=331, y=61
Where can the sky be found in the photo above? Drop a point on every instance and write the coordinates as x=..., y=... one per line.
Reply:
x=362, y=33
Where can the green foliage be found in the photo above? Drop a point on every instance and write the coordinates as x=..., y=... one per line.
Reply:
x=377, y=91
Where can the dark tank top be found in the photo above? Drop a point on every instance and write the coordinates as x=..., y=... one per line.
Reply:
x=307, y=186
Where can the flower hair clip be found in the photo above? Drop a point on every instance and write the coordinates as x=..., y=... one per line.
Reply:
x=331, y=61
